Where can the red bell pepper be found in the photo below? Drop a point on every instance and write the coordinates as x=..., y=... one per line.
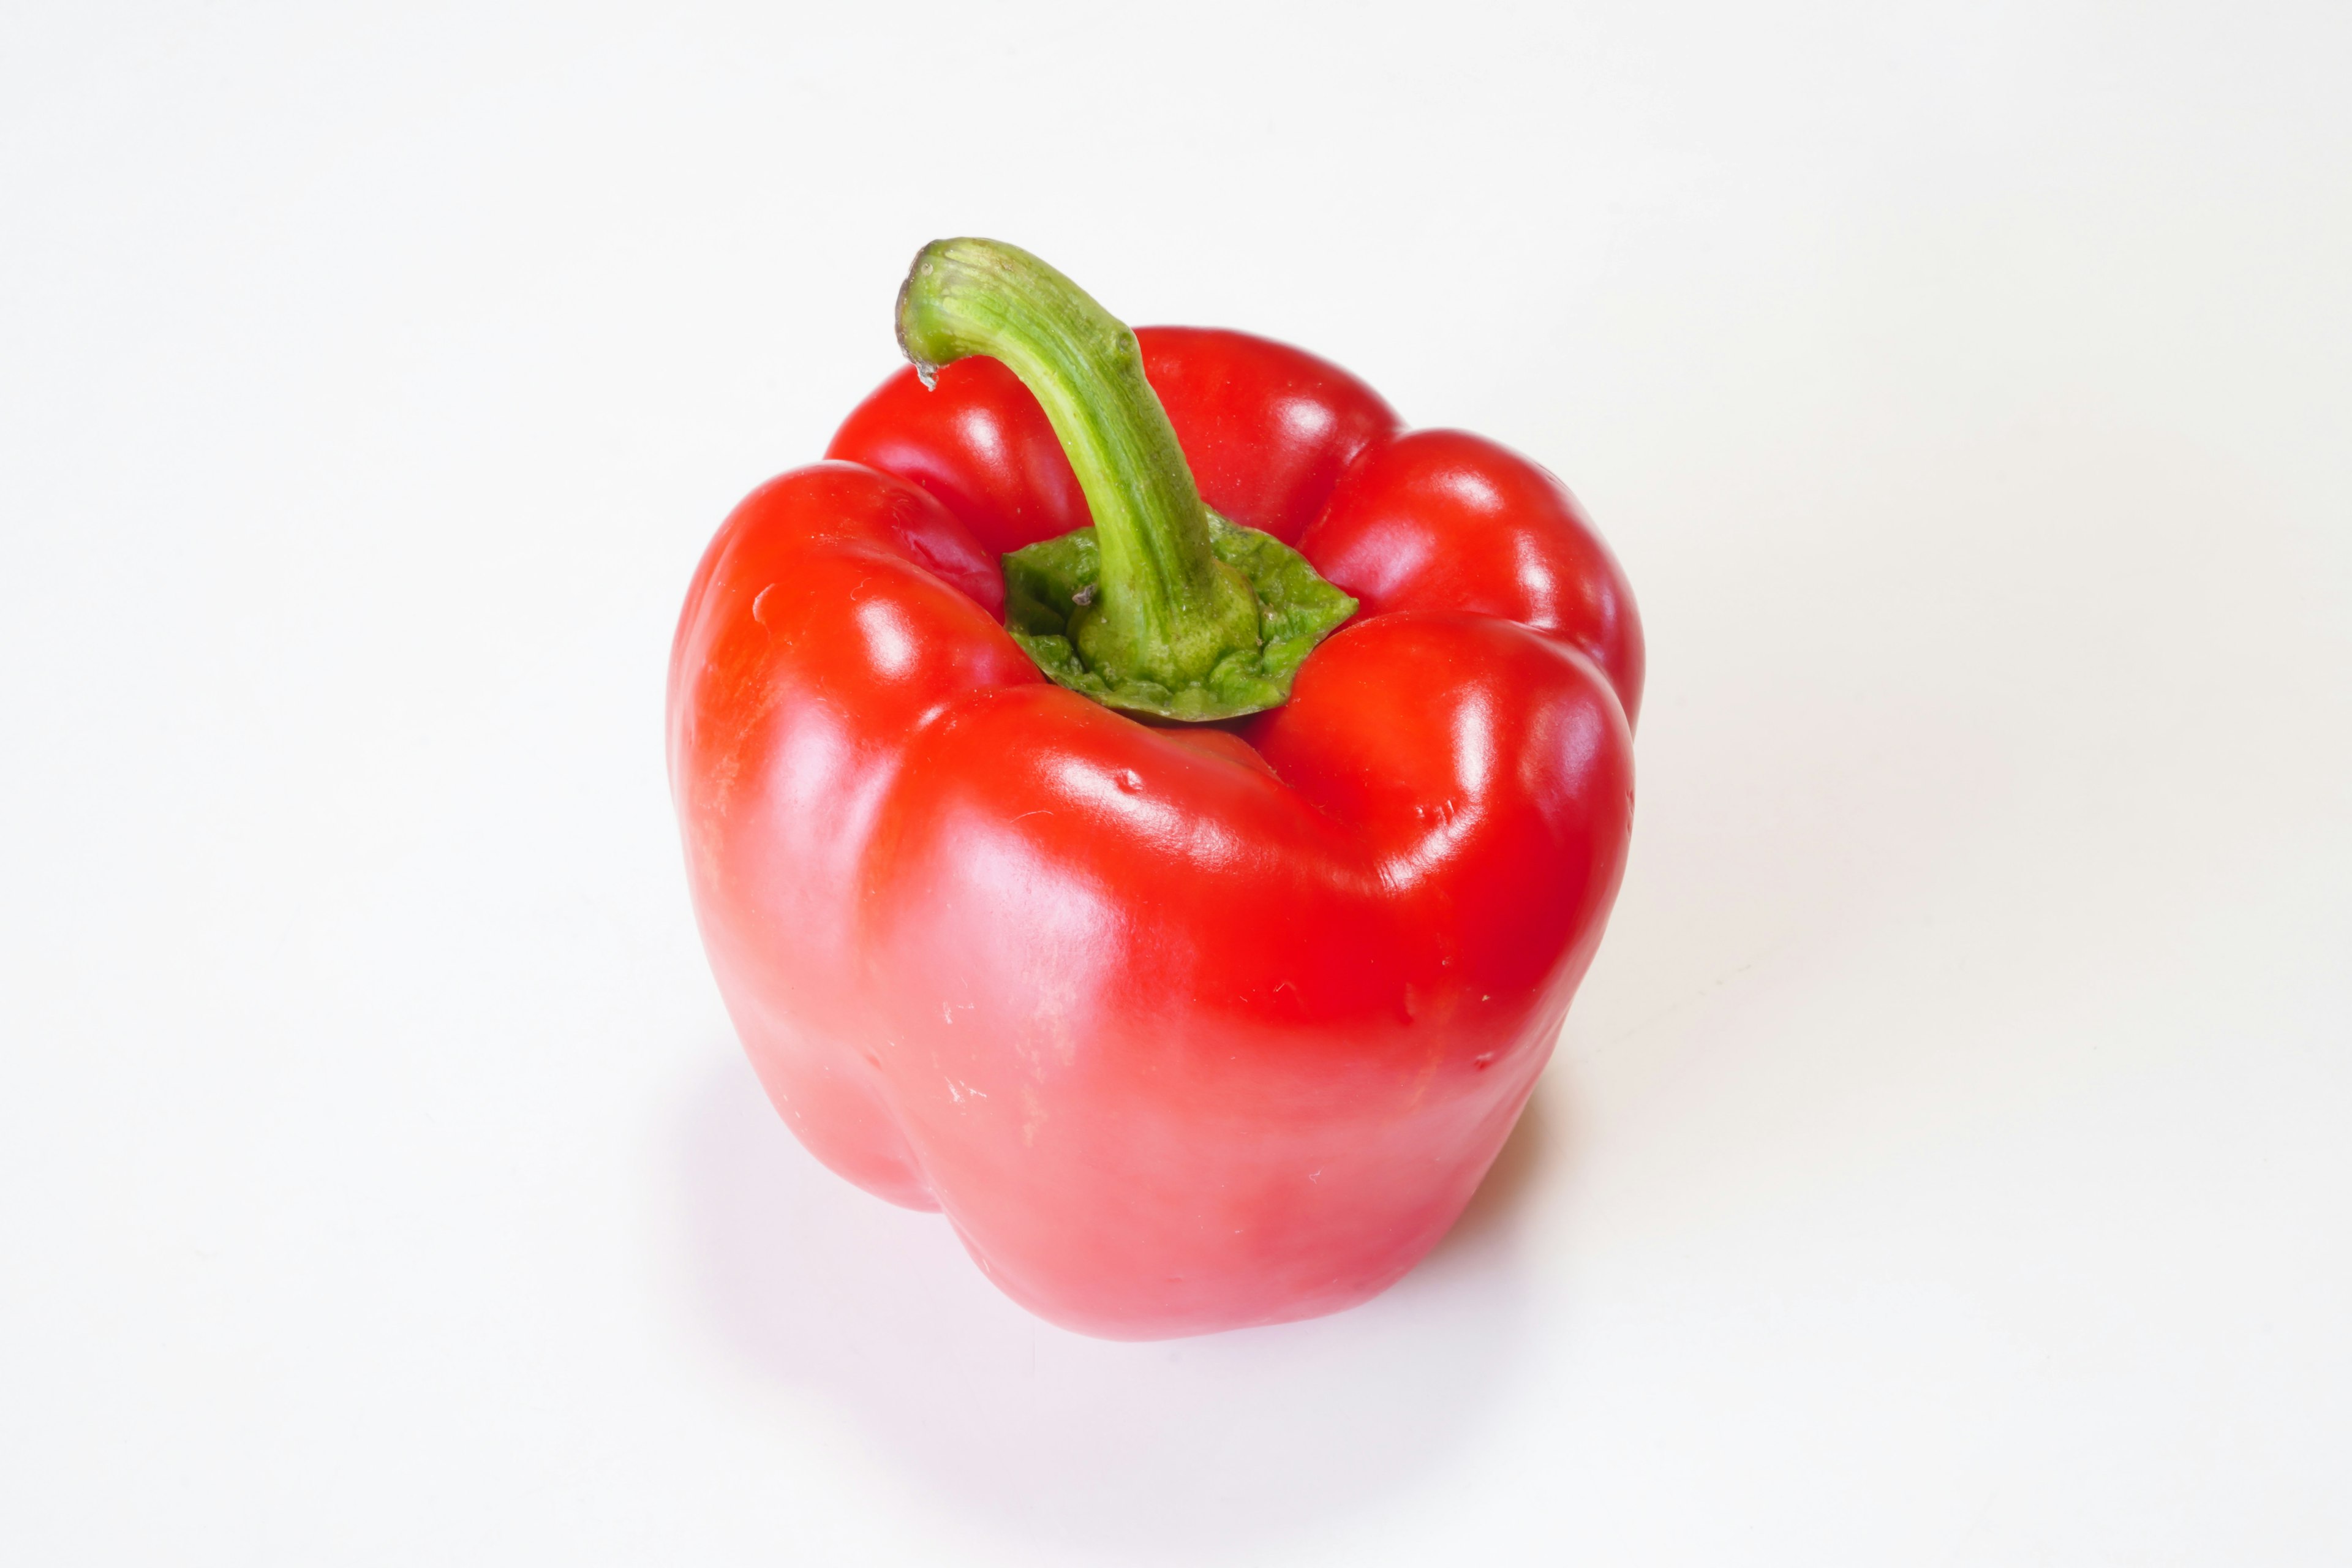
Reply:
x=1185, y=1026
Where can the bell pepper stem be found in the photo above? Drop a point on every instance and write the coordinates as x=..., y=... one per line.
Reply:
x=1167, y=610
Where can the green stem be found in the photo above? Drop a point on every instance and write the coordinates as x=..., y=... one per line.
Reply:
x=1168, y=612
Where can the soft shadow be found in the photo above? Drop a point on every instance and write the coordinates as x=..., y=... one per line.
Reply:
x=1180, y=1448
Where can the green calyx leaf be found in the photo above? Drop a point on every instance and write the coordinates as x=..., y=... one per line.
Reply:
x=1051, y=590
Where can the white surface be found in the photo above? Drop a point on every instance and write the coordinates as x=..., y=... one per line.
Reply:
x=1947, y=1161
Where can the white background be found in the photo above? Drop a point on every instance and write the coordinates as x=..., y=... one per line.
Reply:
x=1950, y=1159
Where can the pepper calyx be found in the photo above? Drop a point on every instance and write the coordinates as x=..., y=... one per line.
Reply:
x=1054, y=583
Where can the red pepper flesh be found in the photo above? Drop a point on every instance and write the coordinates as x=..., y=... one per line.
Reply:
x=1184, y=1027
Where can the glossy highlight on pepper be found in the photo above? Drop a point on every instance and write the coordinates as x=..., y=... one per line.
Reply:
x=1184, y=1027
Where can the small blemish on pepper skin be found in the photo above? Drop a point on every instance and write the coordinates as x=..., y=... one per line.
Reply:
x=759, y=604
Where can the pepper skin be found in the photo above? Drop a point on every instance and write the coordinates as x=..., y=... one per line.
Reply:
x=1186, y=1028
